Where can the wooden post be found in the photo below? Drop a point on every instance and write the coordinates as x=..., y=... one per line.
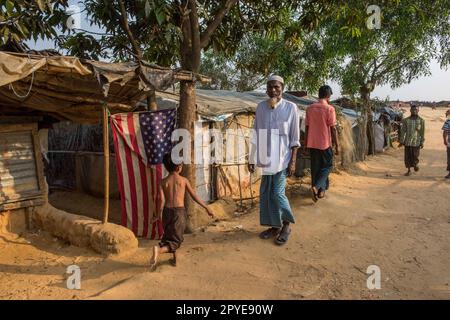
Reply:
x=251, y=191
x=240, y=188
x=106, y=162
x=28, y=217
x=151, y=101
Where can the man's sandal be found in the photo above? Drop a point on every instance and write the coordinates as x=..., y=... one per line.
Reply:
x=314, y=195
x=173, y=261
x=269, y=233
x=283, y=237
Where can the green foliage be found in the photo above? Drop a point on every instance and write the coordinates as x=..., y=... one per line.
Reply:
x=157, y=26
x=222, y=72
x=332, y=41
x=31, y=19
x=82, y=45
x=412, y=33
x=302, y=65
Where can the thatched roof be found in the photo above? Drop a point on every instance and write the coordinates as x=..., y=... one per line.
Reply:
x=70, y=88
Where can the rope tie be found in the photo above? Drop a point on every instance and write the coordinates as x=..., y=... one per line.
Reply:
x=29, y=89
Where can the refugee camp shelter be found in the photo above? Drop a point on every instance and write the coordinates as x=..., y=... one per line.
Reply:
x=222, y=110
x=75, y=146
x=36, y=90
x=68, y=88
x=386, y=122
x=21, y=173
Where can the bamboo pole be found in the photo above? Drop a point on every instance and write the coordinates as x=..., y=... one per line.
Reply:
x=106, y=163
x=251, y=191
x=240, y=188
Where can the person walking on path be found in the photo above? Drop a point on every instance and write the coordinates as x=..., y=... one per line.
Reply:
x=446, y=136
x=321, y=135
x=174, y=216
x=279, y=119
x=412, y=136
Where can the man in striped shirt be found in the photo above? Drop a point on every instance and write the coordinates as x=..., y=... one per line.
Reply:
x=412, y=136
x=446, y=136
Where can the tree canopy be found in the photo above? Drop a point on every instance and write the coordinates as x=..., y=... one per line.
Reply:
x=411, y=34
x=31, y=19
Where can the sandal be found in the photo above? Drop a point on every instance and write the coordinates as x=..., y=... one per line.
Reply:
x=314, y=195
x=269, y=233
x=173, y=261
x=283, y=236
x=321, y=194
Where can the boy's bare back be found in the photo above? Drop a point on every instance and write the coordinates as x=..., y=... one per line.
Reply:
x=174, y=188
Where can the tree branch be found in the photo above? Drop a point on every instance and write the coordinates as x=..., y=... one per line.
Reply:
x=206, y=35
x=126, y=27
x=186, y=42
x=375, y=69
x=10, y=21
x=389, y=70
x=195, y=35
x=92, y=32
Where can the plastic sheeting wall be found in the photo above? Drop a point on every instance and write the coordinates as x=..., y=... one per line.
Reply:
x=379, y=137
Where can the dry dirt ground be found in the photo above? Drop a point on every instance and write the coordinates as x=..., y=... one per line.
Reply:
x=372, y=215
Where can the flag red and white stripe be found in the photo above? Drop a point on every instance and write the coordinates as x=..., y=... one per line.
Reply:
x=138, y=181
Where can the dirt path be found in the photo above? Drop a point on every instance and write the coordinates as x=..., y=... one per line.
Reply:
x=373, y=215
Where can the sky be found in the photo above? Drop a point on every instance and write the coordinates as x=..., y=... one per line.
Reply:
x=432, y=88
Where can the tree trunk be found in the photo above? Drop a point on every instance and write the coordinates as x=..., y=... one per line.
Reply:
x=361, y=145
x=190, y=61
x=366, y=124
x=370, y=131
x=186, y=119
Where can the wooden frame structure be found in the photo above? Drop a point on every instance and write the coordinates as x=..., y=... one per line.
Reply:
x=22, y=181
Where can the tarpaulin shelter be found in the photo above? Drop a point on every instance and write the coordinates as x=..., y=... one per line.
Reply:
x=64, y=88
x=74, y=89
x=221, y=110
x=386, y=122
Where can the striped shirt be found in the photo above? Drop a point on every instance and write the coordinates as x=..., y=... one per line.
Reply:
x=446, y=128
x=412, y=133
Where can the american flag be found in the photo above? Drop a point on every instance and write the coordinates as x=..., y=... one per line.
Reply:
x=140, y=141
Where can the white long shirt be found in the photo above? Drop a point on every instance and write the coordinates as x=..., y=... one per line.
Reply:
x=281, y=126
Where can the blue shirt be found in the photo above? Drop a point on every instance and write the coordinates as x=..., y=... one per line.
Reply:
x=277, y=131
x=446, y=128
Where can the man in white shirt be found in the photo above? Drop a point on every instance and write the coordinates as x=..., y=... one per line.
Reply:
x=279, y=120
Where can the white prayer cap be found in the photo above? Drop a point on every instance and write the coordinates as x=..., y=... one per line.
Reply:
x=275, y=78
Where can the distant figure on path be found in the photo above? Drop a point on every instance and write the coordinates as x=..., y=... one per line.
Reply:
x=320, y=136
x=412, y=136
x=446, y=136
